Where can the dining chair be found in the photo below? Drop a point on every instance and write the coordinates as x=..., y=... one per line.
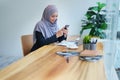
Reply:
x=27, y=43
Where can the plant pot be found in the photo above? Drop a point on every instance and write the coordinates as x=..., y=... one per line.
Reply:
x=86, y=46
x=92, y=46
x=89, y=46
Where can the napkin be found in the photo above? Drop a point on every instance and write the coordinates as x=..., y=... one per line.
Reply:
x=91, y=53
x=68, y=44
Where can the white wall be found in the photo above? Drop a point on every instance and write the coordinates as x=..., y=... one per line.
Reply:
x=18, y=17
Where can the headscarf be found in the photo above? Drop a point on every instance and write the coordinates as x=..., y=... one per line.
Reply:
x=45, y=26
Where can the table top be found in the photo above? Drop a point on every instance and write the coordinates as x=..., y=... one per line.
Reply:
x=45, y=64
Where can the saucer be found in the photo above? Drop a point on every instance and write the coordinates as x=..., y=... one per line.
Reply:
x=91, y=58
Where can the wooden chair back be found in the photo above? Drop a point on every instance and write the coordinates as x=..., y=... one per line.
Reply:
x=27, y=43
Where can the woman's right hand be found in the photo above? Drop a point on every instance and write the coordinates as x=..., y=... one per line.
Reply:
x=59, y=33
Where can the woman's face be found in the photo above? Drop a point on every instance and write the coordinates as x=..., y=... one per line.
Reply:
x=53, y=17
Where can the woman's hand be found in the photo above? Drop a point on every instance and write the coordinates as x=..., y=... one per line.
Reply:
x=62, y=32
x=59, y=33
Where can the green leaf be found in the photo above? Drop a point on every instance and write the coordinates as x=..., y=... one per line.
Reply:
x=89, y=14
x=88, y=26
x=92, y=32
x=99, y=30
x=102, y=35
x=95, y=8
x=103, y=26
x=100, y=6
x=102, y=17
x=86, y=39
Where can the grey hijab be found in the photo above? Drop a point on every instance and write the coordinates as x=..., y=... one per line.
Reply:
x=44, y=26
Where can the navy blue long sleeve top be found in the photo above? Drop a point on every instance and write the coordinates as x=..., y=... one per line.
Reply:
x=41, y=41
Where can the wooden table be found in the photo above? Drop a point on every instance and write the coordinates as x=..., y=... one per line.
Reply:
x=44, y=64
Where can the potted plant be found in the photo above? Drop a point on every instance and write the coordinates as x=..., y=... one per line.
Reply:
x=89, y=43
x=95, y=21
x=86, y=42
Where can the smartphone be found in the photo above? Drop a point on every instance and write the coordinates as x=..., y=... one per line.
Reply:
x=66, y=26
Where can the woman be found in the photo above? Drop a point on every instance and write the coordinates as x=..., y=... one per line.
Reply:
x=46, y=31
